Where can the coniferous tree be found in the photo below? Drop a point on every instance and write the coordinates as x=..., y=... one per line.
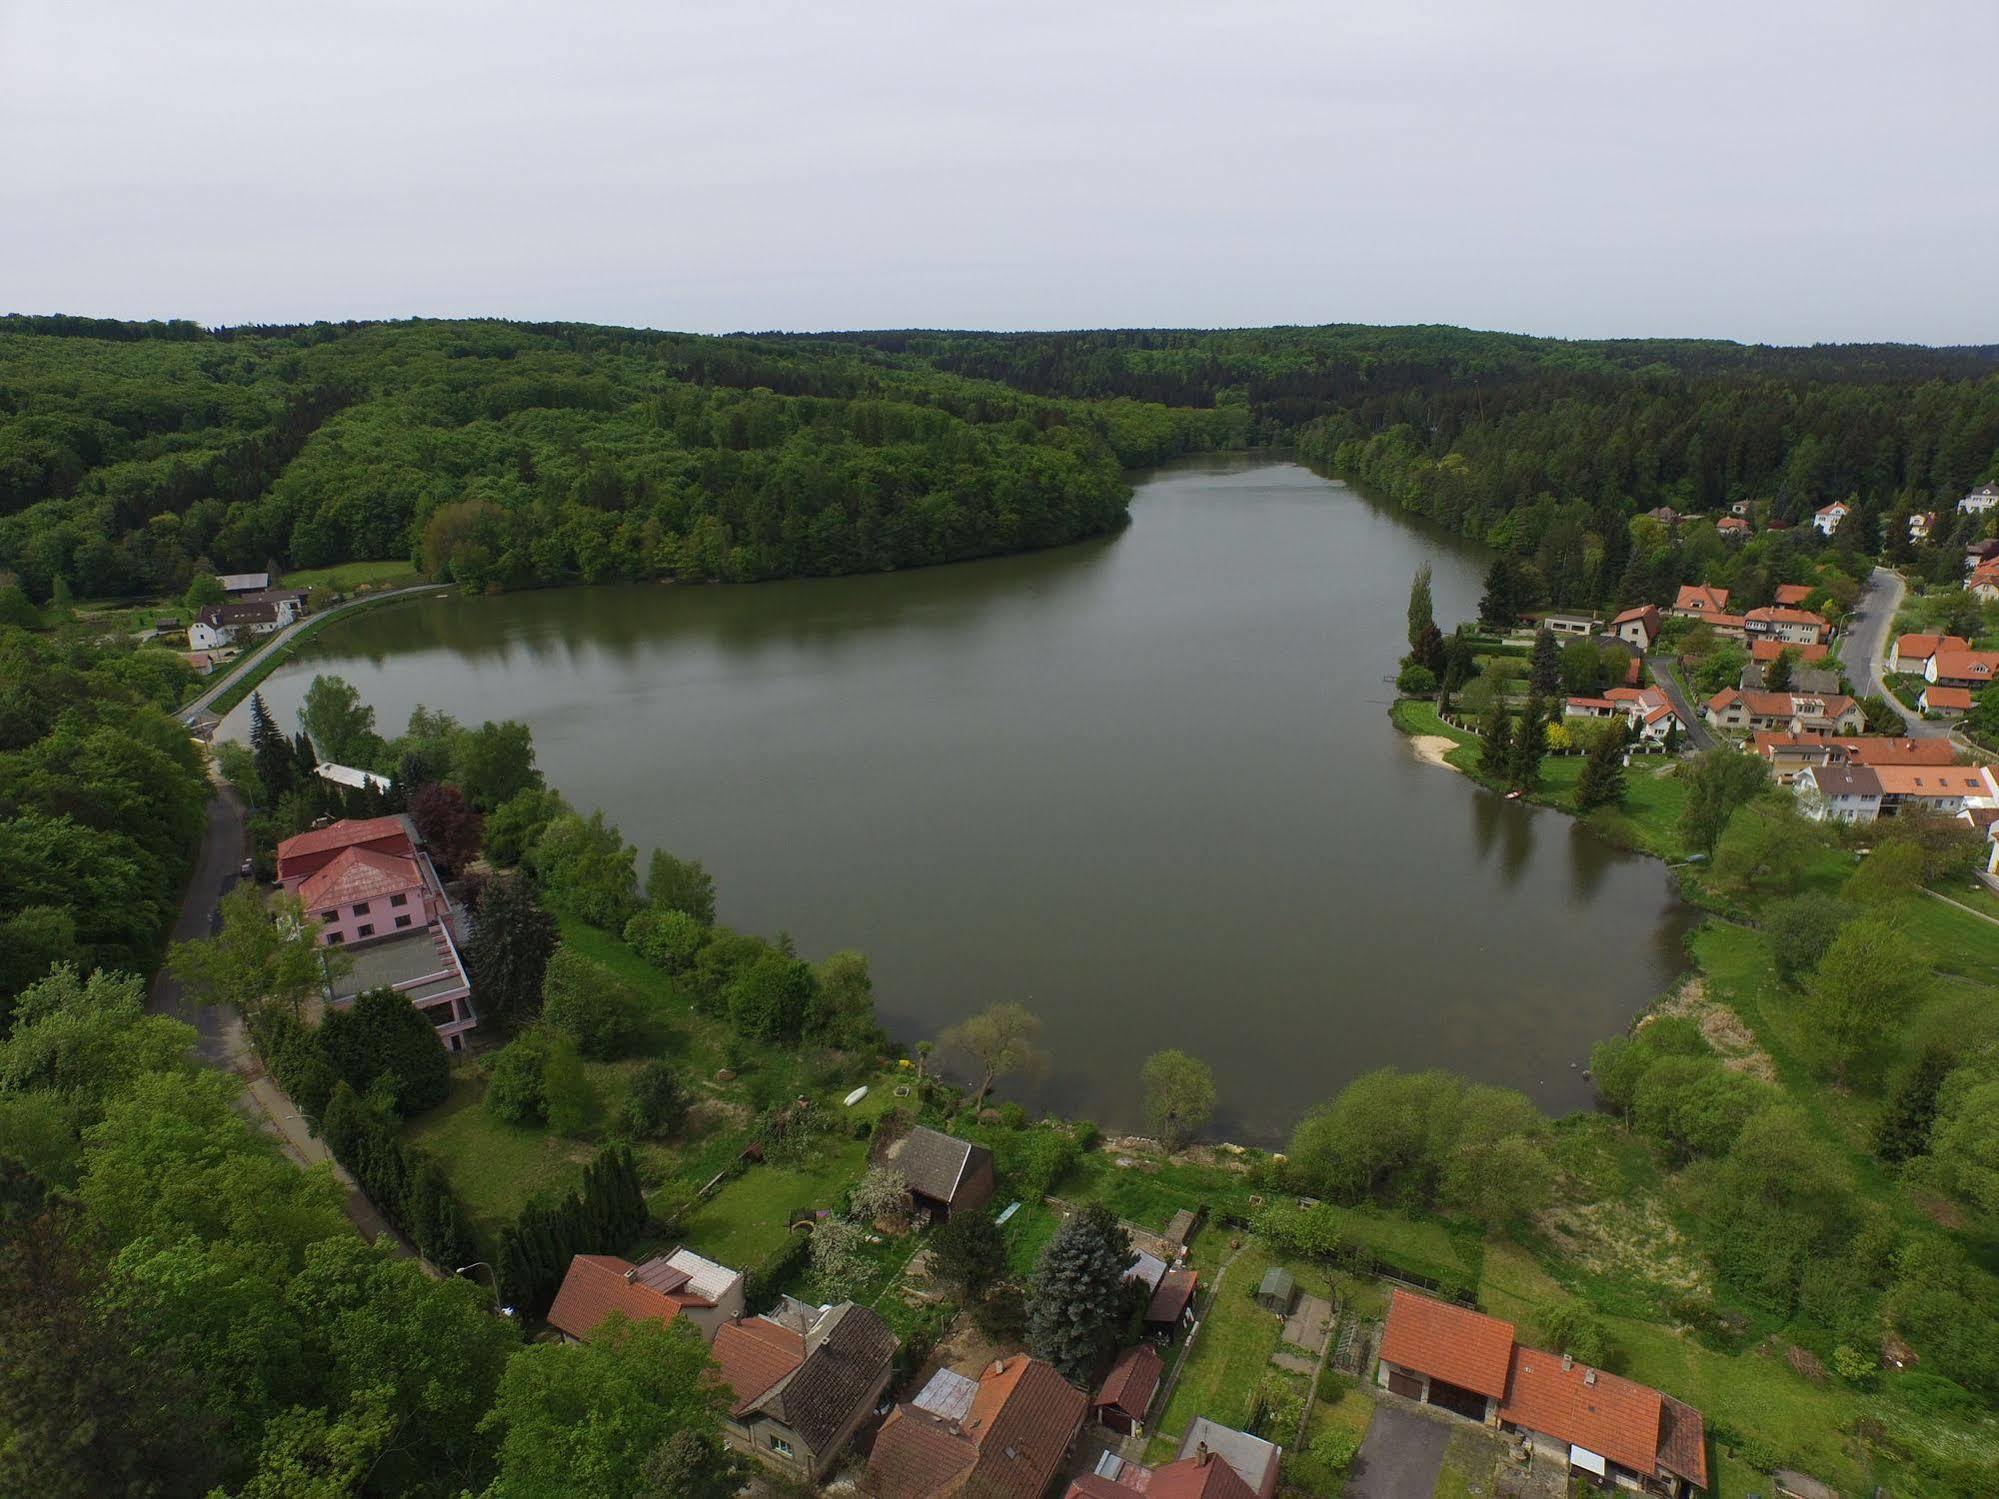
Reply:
x=1076, y=1300
x=1544, y=667
x=1903, y=1130
x=1602, y=780
x=1422, y=610
x=1495, y=756
x=1530, y=743
x=277, y=771
x=509, y=951
x=1428, y=652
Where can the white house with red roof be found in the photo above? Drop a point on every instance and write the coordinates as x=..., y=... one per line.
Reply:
x=1782, y=622
x=1980, y=500
x=375, y=893
x=1829, y=517
x=1639, y=626
x=1973, y=669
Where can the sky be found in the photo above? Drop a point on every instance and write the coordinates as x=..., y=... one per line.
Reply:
x=1765, y=171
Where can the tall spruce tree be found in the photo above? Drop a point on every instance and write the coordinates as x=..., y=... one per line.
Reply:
x=1076, y=1301
x=1602, y=780
x=1544, y=667
x=277, y=771
x=1495, y=755
x=508, y=955
x=1530, y=743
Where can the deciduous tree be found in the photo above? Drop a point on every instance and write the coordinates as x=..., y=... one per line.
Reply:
x=1179, y=1096
x=1000, y=1041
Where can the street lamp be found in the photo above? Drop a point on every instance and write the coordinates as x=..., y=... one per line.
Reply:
x=505, y=1311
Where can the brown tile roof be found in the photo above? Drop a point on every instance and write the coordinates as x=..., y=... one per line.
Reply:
x=1682, y=1441
x=1133, y=1379
x=1170, y=1297
x=595, y=1287
x=342, y=834
x=847, y=1355
x=1778, y=614
x=1647, y=612
x=356, y=874
x=1190, y=1478
x=1843, y=780
x=1455, y=1345
x=1612, y=1417
x=1010, y=1446
x=753, y=1355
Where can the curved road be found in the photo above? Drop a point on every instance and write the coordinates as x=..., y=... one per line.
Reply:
x=1867, y=647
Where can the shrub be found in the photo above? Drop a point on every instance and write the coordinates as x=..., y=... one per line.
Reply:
x=670, y=940
x=589, y=1004
x=1333, y=1385
x=655, y=1106
x=566, y=1092
x=514, y=1090
x=1571, y=1327
x=771, y=999
x=1416, y=681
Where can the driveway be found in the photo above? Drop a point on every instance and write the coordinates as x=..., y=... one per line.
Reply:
x=1400, y=1457
x=1697, y=729
x=1866, y=647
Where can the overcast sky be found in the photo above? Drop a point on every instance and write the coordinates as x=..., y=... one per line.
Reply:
x=1745, y=169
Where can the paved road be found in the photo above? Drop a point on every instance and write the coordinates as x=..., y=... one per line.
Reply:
x=1866, y=648
x=1697, y=729
x=200, y=709
x=225, y=840
x=1400, y=1457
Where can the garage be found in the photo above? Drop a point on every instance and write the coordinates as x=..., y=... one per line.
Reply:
x=1402, y=1382
x=1456, y=1399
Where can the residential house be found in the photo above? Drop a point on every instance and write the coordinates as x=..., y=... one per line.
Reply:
x=1838, y=793
x=1983, y=583
x=1790, y=753
x=1980, y=500
x=1985, y=549
x=1648, y=710
x=199, y=662
x=1639, y=626
x=1784, y=712
x=1255, y=1461
x=1951, y=702
x=1782, y=623
x=1961, y=668
x=243, y=582
x=1666, y=515
x=1016, y=1433
x=945, y=1175
x=1912, y=653
x=1732, y=528
x=217, y=625
x=1792, y=595
x=1872, y=751
x=1126, y=1394
x=679, y=1286
x=1586, y=1420
x=1172, y=1303
x=1767, y=648
x=376, y=893
x=1562, y=623
x=1590, y=707
x=1202, y=1476
x=802, y=1382
x=1828, y=517
x=1740, y=507
x=1921, y=524
x=1698, y=601
x=1945, y=790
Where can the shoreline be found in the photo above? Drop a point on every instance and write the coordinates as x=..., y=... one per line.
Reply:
x=1432, y=748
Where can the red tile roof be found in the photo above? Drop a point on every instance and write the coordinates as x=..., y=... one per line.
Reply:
x=1932, y=780
x=1170, y=1297
x=1010, y=1445
x=1585, y=1407
x=356, y=874
x=595, y=1287
x=1448, y=1342
x=1700, y=598
x=1947, y=697
x=755, y=1354
x=1133, y=1379
x=917, y=1455
x=1896, y=751
x=342, y=834
x=1766, y=649
x=1793, y=593
x=1969, y=666
x=1922, y=647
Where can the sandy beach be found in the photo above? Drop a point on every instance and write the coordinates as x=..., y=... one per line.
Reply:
x=1431, y=749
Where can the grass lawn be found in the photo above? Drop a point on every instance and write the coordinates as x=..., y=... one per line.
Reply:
x=1954, y=941
x=495, y=1168
x=1231, y=1350
x=1470, y=1463
x=749, y=1217
x=348, y=576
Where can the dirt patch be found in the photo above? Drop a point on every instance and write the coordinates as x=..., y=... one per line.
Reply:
x=1804, y=1362
x=1632, y=1239
x=1431, y=749
x=1939, y=1210
x=1733, y=1041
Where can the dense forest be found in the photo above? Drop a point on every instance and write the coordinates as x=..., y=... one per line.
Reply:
x=133, y=456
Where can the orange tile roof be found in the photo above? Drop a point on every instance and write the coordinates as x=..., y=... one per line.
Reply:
x=1793, y=593
x=1778, y=614
x=595, y=1287
x=1932, y=780
x=1769, y=650
x=1896, y=751
x=755, y=1354
x=1647, y=612
x=1922, y=647
x=1701, y=598
x=1969, y=665
x=1612, y=1417
x=1009, y=1446
x=1948, y=697
x=356, y=874
x=1448, y=1342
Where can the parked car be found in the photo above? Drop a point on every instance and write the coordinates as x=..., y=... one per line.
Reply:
x=247, y=869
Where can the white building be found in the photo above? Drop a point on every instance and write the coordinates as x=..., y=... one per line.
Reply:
x=1828, y=518
x=1980, y=500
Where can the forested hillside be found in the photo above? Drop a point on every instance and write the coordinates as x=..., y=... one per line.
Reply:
x=132, y=456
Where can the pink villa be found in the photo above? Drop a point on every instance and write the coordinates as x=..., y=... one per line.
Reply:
x=375, y=892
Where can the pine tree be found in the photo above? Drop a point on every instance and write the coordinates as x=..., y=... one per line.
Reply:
x=1495, y=756
x=1544, y=667
x=277, y=773
x=1530, y=743
x=1672, y=733
x=1602, y=780
x=509, y=951
x=1076, y=1300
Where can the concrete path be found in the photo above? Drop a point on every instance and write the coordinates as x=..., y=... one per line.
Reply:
x=1865, y=649
x=221, y=1041
x=1310, y=1324
x=1400, y=1457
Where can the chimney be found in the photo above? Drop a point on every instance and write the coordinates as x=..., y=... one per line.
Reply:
x=999, y=1366
x=1568, y=1363
x=1589, y=1376
x=632, y=1275
x=1201, y=1455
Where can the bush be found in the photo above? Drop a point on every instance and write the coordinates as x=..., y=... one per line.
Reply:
x=772, y=998
x=590, y=1004
x=1571, y=1327
x=1333, y=1385
x=670, y=940
x=570, y=1100
x=1416, y=681
x=655, y=1106
x=514, y=1080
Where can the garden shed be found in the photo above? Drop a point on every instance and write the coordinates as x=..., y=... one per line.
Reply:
x=1278, y=1291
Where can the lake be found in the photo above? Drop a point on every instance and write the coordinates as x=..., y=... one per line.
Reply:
x=1146, y=786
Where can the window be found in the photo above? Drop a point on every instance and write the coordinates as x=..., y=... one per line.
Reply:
x=401, y=922
x=399, y=900
x=780, y=1446
x=361, y=908
x=329, y=915
x=364, y=930
x=334, y=939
